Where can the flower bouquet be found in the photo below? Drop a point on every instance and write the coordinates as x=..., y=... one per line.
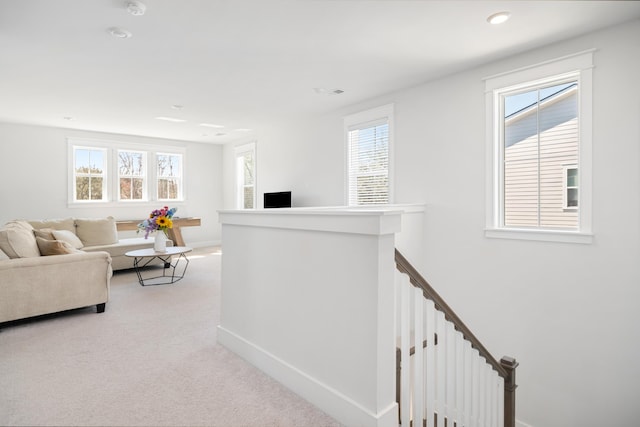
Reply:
x=159, y=220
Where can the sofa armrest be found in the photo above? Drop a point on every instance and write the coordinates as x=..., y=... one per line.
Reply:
x=47, y=284
x=6, y=264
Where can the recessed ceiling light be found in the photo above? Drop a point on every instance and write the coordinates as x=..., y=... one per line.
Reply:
x=324, y=91
x=211, y=125
x=120, y=33
x=170, y=119
x=498, y=18
x=136, y=8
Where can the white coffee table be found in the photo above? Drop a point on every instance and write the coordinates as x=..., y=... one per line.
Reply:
x=170, y=259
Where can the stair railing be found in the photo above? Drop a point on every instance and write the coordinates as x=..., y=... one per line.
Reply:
x=449, y=378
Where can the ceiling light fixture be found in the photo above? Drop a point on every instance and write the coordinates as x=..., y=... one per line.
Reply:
x=120, y=33
x=324, y=91
x=498, y=18
x=211, y=125
x=170, y=119
x=136, y=8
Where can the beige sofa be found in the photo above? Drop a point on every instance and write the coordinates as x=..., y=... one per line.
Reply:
x=97, y=235
x=32, y=284
x=48, y=266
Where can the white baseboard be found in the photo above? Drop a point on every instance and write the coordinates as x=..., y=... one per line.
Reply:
x=331, y=401
x=204, y=244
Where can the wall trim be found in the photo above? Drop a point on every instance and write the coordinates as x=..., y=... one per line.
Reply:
x=331, y=401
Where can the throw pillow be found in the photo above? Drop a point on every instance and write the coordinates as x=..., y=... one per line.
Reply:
x=45, y=233
x=94, y=232
x=18, y=241
x=67, y=236
x=54, y=247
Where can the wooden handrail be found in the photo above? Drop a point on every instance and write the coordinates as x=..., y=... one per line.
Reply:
x=417, y=280
x=507, y=365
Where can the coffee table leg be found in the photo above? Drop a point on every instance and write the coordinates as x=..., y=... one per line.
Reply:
x=172, y=277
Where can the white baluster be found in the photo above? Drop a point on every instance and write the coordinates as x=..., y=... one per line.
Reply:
x=459, y=399
x=418, y=359
x=430, y=362
x=405, y=344
x=451, y=373
x=441, y=367
x=475, y=399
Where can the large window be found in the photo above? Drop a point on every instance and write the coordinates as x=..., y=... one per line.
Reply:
x=108, y=172
x=132, y=175
x=539, y=135
x=89, y=174
x=169, y=176
x=246, y=176
x=368, y=149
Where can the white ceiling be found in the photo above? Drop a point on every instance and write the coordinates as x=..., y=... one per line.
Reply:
x=247, y=63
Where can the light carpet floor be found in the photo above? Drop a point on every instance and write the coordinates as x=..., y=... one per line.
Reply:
x=151, y=359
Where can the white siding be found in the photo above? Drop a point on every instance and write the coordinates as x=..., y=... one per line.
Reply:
x=534, y=167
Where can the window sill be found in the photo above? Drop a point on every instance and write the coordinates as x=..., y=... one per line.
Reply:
x=540, y=235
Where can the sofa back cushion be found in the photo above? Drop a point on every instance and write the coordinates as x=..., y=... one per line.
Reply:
x=56, y=224
x=18, y=241
x=95, y=232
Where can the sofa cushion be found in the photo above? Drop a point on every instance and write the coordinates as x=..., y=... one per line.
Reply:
x=18, y=241
x=95, y=232
x=69, y=237
x=56, y=224
x=54, y=247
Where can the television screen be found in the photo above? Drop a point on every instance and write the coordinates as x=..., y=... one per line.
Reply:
x=281, y=199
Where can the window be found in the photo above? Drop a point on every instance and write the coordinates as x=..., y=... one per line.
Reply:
x=368, y=149
x=131, y=175
x=169, y=176
x=246, y=176
x=570, y=187
x=112, y=172
x=540, y=134
x=89, y=174
x=538, y=138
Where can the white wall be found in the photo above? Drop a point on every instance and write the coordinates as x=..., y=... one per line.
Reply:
x=33, y=177
x=326, y=333
x=567, y=312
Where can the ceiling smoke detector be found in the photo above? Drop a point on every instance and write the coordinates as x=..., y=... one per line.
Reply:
x=136, y=8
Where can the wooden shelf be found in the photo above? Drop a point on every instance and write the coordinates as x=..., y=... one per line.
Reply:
x=174, y=233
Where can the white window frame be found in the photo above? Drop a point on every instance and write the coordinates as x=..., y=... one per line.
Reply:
x=73, y=176
x=145, y=176
x=378, y=115
x=578, y=66
x=111, y=196
x=566, y=187
x=240, y=185
x=156, y=175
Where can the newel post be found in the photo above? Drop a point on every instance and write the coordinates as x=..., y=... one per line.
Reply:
x=510, y=365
